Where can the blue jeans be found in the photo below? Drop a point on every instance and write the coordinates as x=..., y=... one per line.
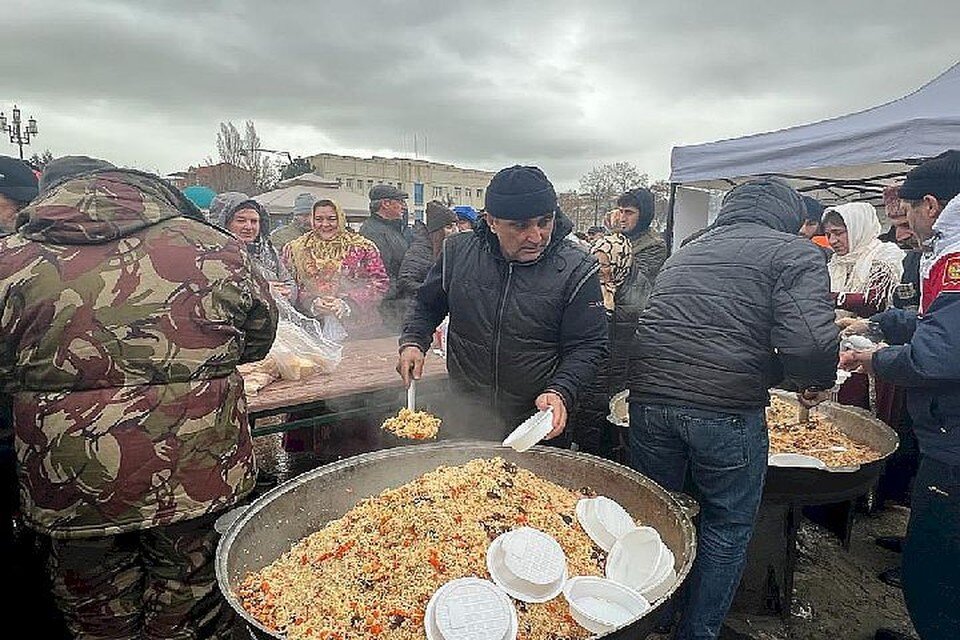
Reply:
x=726, y=454
x=931, y=553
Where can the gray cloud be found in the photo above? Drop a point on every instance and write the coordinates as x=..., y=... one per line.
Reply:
x=566, y=85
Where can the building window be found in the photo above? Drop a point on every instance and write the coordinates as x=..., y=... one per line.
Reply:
x=456, y=193
x=438, y=192
x=418, y=193
x=349, y=183
x=400, y=186
x=479, y=193
x=370, y=184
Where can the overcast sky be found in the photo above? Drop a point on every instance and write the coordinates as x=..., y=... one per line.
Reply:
x=565, y=85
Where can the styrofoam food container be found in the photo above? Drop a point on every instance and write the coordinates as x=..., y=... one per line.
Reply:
x=528, y=564
x=635, y=558
x=470, y=607
x=656, y=591
x=531, y=431
x=660, y=575
x=604, y=520
x=600, y=605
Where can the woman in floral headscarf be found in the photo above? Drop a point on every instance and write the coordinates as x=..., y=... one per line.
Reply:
x=339, y=273
x=625, y=292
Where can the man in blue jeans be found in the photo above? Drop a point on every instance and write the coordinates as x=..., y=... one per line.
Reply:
x=742, y=308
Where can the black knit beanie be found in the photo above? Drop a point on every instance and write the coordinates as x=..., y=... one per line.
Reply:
x=938, y=177
x=17, y=180
x=520, y=193
x=438, y=216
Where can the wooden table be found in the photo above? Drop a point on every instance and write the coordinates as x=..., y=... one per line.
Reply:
x=366, y=380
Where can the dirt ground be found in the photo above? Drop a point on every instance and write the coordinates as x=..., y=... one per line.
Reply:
x=837, y=595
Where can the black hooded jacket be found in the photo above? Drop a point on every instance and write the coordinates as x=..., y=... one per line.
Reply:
x=516, y=329
x=744, y=307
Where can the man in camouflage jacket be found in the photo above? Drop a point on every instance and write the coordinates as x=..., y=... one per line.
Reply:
x=121, y=325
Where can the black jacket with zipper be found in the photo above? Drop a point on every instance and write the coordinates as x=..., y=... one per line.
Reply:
x=743, y=307
x=516, y=329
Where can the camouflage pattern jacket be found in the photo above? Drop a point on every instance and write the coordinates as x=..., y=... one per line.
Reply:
x=121, y=325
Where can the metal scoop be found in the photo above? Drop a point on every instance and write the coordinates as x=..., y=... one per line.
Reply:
x=412, y=396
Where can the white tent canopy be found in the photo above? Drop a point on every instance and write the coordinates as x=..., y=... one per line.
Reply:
x=852, y=157
x=280, y=200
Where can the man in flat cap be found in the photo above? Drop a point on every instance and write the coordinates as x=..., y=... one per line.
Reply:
x=386, y=229
x=527, y=324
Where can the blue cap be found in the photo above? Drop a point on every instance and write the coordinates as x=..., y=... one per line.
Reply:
x=466, y=212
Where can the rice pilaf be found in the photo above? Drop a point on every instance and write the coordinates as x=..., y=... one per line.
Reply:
x=416, y=425
x=371, y=572
x=815, y=438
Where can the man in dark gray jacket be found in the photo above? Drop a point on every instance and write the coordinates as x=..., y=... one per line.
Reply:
x=527, y=326
x=386, y=229
x=743, y=307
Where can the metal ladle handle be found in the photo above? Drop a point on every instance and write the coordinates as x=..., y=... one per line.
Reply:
x=412, y=396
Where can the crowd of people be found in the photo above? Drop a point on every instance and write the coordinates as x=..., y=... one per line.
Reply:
x=124, y=311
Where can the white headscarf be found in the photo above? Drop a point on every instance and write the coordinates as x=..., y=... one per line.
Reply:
x=870, y=264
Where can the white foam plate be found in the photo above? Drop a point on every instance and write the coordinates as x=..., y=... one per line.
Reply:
x=636, y=558
x=795, y=460
x=470, y=608
x=600, y=605
x=528, y=564
x=604, y=520
x=655, y=592
x=531, y=431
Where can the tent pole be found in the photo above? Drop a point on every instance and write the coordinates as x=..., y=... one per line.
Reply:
x=671, y=203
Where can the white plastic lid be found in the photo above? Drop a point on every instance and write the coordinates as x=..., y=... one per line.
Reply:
x=531, y=431
x=604, y=520
x=601, y=605
x=636, y=558
x=528, y=564
x=470, y=609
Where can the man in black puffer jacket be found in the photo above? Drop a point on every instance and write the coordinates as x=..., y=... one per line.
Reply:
x=527, y=328
x=743, y=307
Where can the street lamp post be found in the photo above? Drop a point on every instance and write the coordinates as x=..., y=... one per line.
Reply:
x=18, y=135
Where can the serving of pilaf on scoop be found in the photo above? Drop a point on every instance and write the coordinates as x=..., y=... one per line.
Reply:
x=371, y=572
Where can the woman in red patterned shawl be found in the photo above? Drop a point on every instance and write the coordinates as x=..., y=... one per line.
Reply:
x=339, y=273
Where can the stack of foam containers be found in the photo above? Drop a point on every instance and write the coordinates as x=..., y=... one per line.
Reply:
x=529, y=565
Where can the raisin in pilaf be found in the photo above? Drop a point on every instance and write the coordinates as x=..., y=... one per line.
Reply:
x=371, y=572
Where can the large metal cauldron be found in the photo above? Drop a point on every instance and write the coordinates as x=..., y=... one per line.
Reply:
x=805, y=486
x=301, y=506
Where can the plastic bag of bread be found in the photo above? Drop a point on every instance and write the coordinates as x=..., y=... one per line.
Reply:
x=302, y=348
x=257, y=375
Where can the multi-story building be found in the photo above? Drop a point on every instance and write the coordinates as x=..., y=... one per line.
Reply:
x=423, y=180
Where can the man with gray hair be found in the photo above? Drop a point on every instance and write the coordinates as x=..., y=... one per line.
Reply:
x=299, y=225
x=385, y=228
